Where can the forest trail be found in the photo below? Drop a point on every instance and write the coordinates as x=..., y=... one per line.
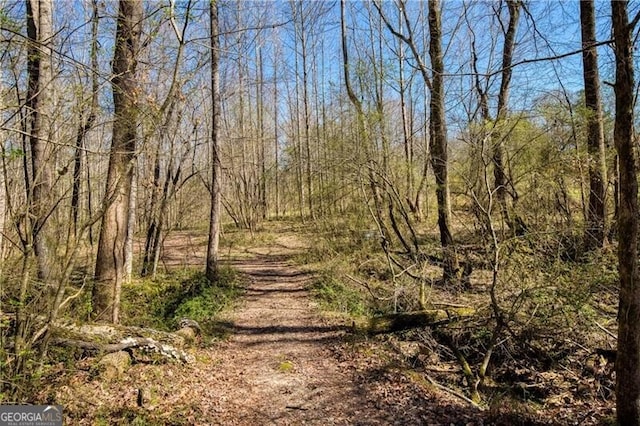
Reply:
x=279, y=368
x=285, y=362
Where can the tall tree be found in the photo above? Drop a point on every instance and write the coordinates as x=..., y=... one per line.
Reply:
x=216, y=172
x=596, y=213
x=499, y=174
x=39, y=103
x=438, y=133
x=166, y=135
x=628, y=357
x=110, y=260
x=438, y=145
x=86, y=122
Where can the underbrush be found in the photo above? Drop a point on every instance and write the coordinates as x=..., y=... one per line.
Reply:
x=557, y=307
x=162, y=302
x=335, y=295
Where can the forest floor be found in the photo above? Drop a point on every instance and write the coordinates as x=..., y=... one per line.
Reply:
x=285, y=362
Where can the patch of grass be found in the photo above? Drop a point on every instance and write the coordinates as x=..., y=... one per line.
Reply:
x=285, y=366
x=160, y=303
x=336, y=296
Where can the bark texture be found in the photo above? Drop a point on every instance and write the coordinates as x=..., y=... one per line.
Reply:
x=216, y=173
x=596, y=213
x=438, y=143
x=628, y=358
x=499, y=174
x=39, y=103
x=110, y=261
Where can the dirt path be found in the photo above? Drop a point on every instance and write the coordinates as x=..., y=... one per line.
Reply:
x=280, y=369
x=285, y=363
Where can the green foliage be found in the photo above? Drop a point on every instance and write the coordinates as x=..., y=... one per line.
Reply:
x=160, y=303
x=351, y=234
x=549, y=294
x=13, y=153
x=337, y=296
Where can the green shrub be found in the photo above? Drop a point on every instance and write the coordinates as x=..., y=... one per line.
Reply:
x=336, y=296
x=160, y=303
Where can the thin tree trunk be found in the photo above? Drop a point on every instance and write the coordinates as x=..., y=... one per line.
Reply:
x=307, y=115
x=212, y=267
x=596, y=213
x=499, y=175
x=298, y=137
x=363, y=132
x=165, y=115
x=152, y=226
x=438, y=144
x=261, y=137
x=276, y=149
x=85, y=125
x=406, y=130
x=110, y=258
x=131, y=226
x=628, y=356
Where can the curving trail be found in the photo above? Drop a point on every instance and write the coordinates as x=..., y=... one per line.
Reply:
x=285, y=363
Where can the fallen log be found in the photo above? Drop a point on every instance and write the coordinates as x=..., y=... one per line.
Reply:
x=145, y=344
x=408, y=320
x=110, y=338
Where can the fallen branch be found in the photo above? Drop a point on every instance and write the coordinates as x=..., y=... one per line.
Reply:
x=601, y=327
x=453, y=392
x=408, y=320
x=144, y=343
x=368, y=287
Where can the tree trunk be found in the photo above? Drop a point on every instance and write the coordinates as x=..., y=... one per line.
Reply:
x=499, y=175
x=438, y=144
x=131, y=226
x=307, y=114
x=110, y=258
x=628, y=357
x=85, y=124
x=596, y=213
x=152, y=226
x=261, y=138
x=276, y=136
x=39, y=100
x=363, y=133
x=216, y=174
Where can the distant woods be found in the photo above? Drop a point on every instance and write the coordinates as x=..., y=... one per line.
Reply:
x=123, y=121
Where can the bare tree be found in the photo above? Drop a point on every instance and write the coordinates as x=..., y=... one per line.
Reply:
x=110, y=259
x=628, y=357
x=499, y=175
x=39, y=103
x=165, y=184
x=438, y=133
x=216, y=173
x=86, y=122
x=596, y=213
x=437, y=123
x=300, y=14
x=364, y=134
